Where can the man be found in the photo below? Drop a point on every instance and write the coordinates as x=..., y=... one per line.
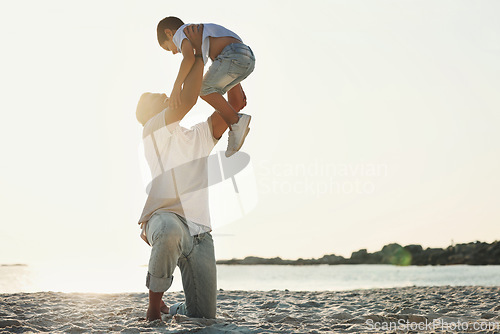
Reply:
x=175, y=220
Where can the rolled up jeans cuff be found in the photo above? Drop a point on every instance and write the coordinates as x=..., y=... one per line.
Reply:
x=158, y=284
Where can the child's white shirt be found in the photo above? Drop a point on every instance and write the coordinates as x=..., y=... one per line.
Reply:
x=209, y=30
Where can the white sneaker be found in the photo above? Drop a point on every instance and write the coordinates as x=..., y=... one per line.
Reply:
x=237, y=134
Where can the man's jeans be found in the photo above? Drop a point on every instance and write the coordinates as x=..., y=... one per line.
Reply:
x=173, y=245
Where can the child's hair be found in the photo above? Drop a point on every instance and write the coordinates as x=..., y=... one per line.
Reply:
x=173, y=23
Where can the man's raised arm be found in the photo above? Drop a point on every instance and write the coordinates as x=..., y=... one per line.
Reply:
x=192, y=84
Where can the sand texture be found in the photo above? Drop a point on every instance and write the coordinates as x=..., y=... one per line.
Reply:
x=276, y=311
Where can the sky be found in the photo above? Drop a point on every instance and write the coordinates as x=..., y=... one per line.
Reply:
x=374, y=121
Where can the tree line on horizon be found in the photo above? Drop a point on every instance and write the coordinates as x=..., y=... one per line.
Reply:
x=472, y=253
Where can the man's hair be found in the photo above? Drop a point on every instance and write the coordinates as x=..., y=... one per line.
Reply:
x=171, y=22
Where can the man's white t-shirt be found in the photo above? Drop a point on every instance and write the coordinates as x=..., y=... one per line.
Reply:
x=177, y=158
x=209, y=30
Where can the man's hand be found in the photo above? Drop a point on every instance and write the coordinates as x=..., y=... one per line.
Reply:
x=194, y=33
x=175, y=97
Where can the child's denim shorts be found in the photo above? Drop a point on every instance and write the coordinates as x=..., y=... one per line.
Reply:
x=232, y=65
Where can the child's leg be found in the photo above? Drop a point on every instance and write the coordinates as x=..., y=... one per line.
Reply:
x=237, y=98
x=223, y=107
x=224, y=75
x=238, y=123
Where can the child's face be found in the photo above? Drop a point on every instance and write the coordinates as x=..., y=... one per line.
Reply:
x=169, y=45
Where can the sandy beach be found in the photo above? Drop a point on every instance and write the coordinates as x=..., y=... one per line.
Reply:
x=396, y=310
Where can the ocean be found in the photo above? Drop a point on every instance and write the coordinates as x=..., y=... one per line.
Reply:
x=131, y=278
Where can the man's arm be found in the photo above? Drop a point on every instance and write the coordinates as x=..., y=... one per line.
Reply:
x=192, y=83
x=186, y=66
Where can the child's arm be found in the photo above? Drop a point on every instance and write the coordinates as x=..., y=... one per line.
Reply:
x=186, y=65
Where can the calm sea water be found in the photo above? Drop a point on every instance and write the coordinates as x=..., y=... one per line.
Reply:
x=260, y=277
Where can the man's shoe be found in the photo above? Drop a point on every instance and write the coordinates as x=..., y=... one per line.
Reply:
x=238, y=134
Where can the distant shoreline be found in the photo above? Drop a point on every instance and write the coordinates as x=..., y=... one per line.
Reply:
x=14, y=265
x=472, y=253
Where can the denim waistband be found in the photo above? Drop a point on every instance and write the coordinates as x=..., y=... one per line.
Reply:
x=238, y=48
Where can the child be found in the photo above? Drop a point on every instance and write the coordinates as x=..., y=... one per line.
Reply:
x=232, y=62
